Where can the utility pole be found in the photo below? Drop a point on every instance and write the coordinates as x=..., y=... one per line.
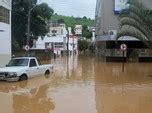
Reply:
x=29, y=25
x=28, y=28
x=67, y=42
x=73, y=44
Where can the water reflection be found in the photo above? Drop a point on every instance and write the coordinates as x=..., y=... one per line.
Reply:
x=35, y=101
x=74, y=68
x=68, y=90
x=128, y=92
x=74, y=85
x=82, y=84
x=26, y=96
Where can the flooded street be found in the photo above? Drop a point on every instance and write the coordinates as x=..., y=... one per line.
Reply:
x=82, y=84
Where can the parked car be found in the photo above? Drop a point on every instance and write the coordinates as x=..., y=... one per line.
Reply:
x=23, y=68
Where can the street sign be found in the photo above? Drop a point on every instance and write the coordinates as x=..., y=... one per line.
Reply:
x=123, y=47
x=26, y=47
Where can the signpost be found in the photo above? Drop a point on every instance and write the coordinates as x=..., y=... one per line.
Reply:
x=123, y=47
x=27, y=48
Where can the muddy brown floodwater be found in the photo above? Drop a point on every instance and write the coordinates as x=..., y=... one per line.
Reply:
x=82, y=85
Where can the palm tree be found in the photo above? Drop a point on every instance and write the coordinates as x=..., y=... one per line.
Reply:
x=137, y=23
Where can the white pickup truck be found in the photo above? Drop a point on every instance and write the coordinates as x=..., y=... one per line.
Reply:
x=22, y=68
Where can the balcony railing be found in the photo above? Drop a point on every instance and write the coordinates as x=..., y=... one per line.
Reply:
x=145, y=52
x=119, y=53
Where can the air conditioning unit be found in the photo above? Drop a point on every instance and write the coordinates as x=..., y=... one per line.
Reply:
x=112, y=32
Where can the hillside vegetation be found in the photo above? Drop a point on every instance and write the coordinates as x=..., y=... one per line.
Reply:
x=72, y=21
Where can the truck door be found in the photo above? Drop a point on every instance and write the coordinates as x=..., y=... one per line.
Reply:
x=33, y=68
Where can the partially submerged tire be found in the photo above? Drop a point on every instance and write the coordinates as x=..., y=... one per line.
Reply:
x=47, y=72
x=23, y=77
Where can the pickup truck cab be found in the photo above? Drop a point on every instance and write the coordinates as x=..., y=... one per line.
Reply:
x=23, y=68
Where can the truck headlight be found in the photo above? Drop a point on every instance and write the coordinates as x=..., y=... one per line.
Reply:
x=12, y=74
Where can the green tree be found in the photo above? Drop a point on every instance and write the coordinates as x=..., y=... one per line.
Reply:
x=60, y=20
x=137, y=23
x=84, y=17
x=40, y=15
x=82, y=45
x=85, y=32
x=72, y=21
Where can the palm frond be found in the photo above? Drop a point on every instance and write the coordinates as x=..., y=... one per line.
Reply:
x=137, y=26
x=134, y=34
x=139, y=21
x=130, y=33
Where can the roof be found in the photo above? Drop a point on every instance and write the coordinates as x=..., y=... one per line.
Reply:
x=112, y=38
x=24, y=57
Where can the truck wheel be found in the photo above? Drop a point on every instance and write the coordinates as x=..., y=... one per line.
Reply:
x=23, y=77
x=47, y=72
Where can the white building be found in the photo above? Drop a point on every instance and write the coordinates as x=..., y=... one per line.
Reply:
x=92, y=29
x=5, y=31
x=57, y=40
x=78, y=29
x=73, y=41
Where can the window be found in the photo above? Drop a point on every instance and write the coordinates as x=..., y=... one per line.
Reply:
x=4, y=15
x=61, y=31
x=54, y=32
x=48, y=45
x=32, y=63
x=18, y=62
x=58, y=45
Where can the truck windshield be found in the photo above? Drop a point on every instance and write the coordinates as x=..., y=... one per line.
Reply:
x=18, y=62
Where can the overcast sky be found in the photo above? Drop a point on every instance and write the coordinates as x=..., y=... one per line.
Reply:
x=76, y=8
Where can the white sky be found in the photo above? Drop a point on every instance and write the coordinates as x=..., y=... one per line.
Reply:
x=76, y=8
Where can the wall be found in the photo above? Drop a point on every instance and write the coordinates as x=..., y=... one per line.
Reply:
x=106, y=19
x=5, y=36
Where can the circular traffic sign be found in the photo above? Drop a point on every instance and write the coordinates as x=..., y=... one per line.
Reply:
x=123, y=47
x=26, y=47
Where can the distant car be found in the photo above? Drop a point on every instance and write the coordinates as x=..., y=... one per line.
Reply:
x=23, y=68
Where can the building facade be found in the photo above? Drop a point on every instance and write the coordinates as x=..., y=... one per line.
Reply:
x=106, y=15
x=107, y=27
x=5, y=31
x=57, y=40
